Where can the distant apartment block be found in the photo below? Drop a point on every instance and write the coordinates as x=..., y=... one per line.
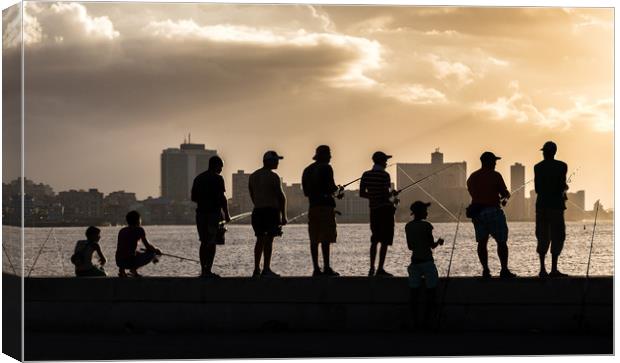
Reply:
x=241, y=200
x=179, y=167
x=516, y=209
x=81, y=206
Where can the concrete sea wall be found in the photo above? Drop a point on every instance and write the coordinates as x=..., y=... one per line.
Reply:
x=193, y=305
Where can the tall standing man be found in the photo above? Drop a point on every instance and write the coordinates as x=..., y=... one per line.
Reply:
x=550, y=185
x=375, y=185
x=318, y=184
x=208, y=192
x=487, y=189
x=269, y=211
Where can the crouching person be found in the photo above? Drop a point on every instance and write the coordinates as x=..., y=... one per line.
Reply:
x=82, y=256
x=421, y=242
x=127, y=256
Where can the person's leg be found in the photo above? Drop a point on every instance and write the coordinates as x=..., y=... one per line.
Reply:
x=499, y=231
x=542, y=238
x=314, y=252
x=209, y=257
x=382, y=254
x=414, y=282
x=203, y=255
x=325, y=251
x=502, y=253
x=431, y=279
x=558, y=235
x=483, y=254
x=258, y=252
x=373, y=256
x=268, y=247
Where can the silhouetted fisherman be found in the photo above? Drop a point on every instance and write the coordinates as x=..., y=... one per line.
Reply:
x=269, y=212
x=421, y=242
x=375, y=185
x=319, y=186
x=550, y=184
x=486, y=186
x=82, y=256
x=211, y=210
x=127, y=256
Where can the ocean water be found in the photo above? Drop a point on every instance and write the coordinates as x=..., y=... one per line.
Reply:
x=291, y=256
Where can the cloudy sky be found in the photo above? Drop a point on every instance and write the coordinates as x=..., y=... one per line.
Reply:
x=109, y=85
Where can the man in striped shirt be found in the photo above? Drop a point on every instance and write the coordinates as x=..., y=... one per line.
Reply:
x=375, y=186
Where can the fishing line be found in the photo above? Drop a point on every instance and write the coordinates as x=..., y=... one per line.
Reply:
x=427, y=193
x=180, y=257
x=40, y=250
x=586, y=284
x=62, y=262
x=445, y=290
x=9, y=259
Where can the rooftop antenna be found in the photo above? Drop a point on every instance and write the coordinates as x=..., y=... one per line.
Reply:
x=184, y=140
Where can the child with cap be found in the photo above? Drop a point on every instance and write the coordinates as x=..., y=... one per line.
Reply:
x=420, y=241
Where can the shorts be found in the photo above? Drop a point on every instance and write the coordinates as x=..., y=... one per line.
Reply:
x=491, y=221
x=92, y=272
x=426, y=269
x=382, y=225
x=322, y=224
x=550, y=231
x=266, y=222
x=137, y=261
x=210, y=230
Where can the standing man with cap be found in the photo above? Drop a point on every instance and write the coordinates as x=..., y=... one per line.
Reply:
x=550, y=185
x=211, y=210
x=269, y=211
x=488, y=190
x=318, y=184
x=375, y=185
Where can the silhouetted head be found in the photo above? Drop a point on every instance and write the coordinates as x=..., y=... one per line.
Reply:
x=271, y=159
x=488, y=160
x=419, y=209
x=549, y=149
x=133, y=218
x=322, y=154
x=216, y=164
x=93, y=234
x=380, y=158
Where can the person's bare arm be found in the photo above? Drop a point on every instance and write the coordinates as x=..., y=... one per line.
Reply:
x=363, y=191
x=102, y=259
x=148, y=246
x=224, y=203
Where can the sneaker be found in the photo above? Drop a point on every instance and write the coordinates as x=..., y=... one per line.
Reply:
x=557, y=273
x=329, y=272
x=383, y=273
x=269, y=273
x=506, y=274
x=256, y=273
x=486, y=273
x=317, y=272
x=543, y=274
x=371, y=272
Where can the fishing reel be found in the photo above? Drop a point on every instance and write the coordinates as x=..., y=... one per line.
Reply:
x=340, y=192
x=394, y=197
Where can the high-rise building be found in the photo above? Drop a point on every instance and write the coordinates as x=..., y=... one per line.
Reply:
x=449, y=186
x=179, y=167
x=516, y=207
x=241, y=200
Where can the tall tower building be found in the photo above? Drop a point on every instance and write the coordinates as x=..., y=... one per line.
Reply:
x=179, y=167
x=241, y=199
x=517, y=210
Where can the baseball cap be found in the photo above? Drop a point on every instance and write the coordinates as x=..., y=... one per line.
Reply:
x=380, y=156
x=487, y=155
x=272, y=155
x=321, y=150
x=549, y=145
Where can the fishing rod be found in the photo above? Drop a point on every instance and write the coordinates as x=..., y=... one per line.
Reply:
x=40, y=250
x=586, y=284
x=445, y=289
x=360, y=178
x=180, y=257
x=422, y=179
x=236, y=218
x=62, y=262
x=297, y=217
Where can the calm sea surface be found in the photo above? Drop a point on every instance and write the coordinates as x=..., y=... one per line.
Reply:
x=291, y=255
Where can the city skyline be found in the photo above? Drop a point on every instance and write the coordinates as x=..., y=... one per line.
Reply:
x=247, y=78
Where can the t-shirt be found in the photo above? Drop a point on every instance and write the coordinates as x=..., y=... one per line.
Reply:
x=376, y=183
x=419, y=240
x=266, y=188
x=128, y=238
x=485, y=187
x=550, y=184
x=85, y=249
x=208, y=192
x=318, y=184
